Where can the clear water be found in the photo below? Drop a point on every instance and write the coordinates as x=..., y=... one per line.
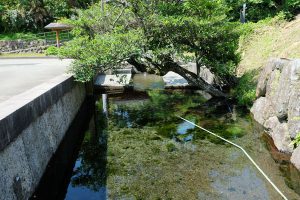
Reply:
x=151, y=154
x=143, y=151
x=145, y=81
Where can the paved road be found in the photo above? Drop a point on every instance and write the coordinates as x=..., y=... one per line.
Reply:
x=18, y=75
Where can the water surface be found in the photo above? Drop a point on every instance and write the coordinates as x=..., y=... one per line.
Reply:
x=143, y=151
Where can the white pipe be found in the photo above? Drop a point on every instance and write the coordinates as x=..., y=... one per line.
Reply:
x=244, y=151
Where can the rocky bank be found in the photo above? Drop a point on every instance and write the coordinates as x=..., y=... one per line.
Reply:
x=277, y=106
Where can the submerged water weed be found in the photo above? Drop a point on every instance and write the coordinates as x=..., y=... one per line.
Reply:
x=160, y=109
x=170, y=147
x=234, y=131
x=149, y=166
x=167, y=130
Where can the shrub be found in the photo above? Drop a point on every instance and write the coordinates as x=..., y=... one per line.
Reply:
x=245, y=90
x=296, y=141
x=52, y=51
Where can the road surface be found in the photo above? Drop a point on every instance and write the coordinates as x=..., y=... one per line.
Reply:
x=18, y=75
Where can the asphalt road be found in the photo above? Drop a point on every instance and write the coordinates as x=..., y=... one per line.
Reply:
x=20, y=74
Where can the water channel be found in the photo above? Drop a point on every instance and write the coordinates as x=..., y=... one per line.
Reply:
x=141, y=150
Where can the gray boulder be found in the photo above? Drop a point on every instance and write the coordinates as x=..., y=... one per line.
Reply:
x=277, y=107
x=280, y=134
x=262, y=110
x=295, y=159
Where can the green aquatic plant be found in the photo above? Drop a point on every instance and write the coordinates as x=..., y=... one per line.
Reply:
x=234, y=131
x=170, y=147
x=160, y=109
x=296, y=141
x=167, y=130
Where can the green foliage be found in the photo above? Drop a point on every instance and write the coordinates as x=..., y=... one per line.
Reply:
x=296, y=141
x=171, y=147
x=51, y=51
x=155, y=31
x=32, y=15
x=261, y=9
x=200, y=28
x=49, y=36
x=16, y=36
x=234, y=131
x=103, y=52
x=245, y=90
x=167, y=131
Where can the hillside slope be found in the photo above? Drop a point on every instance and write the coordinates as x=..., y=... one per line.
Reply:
x=277, y=39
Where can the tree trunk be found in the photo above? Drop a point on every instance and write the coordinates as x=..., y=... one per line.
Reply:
x=194, y=79
x=198, y=66
x=170, y=65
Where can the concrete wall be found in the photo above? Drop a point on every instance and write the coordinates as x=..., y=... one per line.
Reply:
x=32, y=125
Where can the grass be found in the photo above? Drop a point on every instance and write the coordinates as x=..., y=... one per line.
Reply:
x=261, y=41
x=22, y=55
x=270, y=38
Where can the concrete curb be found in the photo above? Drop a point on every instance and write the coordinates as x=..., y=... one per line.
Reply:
x=19, y=111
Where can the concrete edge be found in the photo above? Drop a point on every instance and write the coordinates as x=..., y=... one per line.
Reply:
x=18, y=112
x=33, y=57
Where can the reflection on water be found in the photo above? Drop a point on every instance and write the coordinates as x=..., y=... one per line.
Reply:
x=141, y=82
x=144, y=151
x=76, y=192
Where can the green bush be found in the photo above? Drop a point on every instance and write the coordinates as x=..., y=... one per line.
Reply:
x=261, y=9
x=52, y=51
x=245, y=90
x=296, y=141
x=17, y=36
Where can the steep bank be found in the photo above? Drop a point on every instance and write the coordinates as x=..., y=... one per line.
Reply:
x=273, y=39
x=277, y=105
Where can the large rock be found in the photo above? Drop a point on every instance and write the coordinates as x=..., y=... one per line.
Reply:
x=262, y=110
x=264, y=76
x=295, y=159
x=278, y=105
x=280, y=134
x=294, y=112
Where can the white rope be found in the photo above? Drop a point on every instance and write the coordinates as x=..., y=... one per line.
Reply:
x=244, y=151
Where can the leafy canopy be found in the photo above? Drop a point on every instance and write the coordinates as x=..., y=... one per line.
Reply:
x=155, y=31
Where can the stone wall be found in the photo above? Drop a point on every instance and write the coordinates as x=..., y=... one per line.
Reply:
x=24, y=46
x=32, y=125
x=277, y=107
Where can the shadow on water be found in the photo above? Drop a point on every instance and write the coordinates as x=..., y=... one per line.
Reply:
x=290, y=172
x=89, y=173
x=78, y=166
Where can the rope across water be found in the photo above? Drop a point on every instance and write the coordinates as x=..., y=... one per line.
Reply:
x=244, y=151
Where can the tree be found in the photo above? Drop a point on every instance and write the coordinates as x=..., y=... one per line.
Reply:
x=261, y=9
x=155, y=34
x=32, y=15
